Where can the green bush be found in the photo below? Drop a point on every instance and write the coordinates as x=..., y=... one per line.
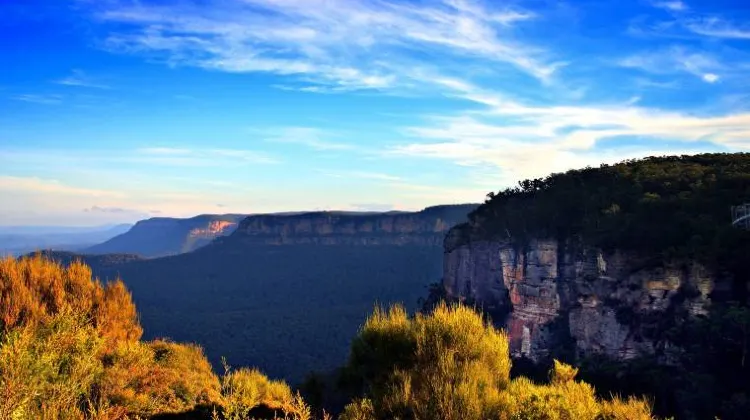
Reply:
x=452, y=364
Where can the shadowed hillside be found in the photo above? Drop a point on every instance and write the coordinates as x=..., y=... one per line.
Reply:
x=162, y=236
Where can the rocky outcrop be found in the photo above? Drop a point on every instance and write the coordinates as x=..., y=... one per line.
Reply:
x=555, y=292
x=215, y=228
x=426, y=227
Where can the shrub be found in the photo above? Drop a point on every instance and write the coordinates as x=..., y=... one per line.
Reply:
x=51, y=371
x=34, y=289
x=249, y=393
x=70, y=350
x=360, y=409
x=159, y=377
x=452, y=364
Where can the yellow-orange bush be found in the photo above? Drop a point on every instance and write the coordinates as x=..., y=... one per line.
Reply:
x=247, y=392
x=34, y=289
x=159, y=377
x=70, y=350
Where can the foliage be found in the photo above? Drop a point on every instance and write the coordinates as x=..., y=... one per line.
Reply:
x=59, y=361
x=452, y=364
x=249, y=393
x=33, y=290
x=70, y=350
x=50, y=371
x=159, y=377
x=664, y=207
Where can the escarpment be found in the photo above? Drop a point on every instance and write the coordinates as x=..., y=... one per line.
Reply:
x=606, y=260
x=426, y=227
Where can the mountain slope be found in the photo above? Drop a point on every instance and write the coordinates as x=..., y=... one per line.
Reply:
x=162, y=236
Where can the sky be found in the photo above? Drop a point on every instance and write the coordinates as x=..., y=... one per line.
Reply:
x=118, y=110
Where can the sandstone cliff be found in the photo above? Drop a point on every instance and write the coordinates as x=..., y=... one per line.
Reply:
x=551, y=294
x=426, y=227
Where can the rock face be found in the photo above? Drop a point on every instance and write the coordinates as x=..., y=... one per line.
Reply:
x=554, y=294
x=426, y=227
x=215, y=228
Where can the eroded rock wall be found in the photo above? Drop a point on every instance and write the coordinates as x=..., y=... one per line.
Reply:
x=427, y=227
x=594, y=297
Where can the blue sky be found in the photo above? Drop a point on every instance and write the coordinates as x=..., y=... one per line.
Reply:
x=117, y=110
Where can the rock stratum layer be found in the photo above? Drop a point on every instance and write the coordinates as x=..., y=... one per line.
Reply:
x=549, y=293
x=426, y=227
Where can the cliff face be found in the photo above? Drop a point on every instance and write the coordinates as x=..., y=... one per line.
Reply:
x=215, y=228
x=599, y=302
x=427, y=227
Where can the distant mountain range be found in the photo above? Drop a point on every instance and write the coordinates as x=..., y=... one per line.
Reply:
x=281, y=292
x=163, y=236
x=17, y=240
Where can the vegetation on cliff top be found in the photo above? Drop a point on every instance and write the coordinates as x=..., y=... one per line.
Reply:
x=70, y=349
x=672, y=206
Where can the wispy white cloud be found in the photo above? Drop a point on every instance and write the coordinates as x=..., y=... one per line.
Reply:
x=167, y=151
x=377, y=176
x=49, y=186
x=687, y=24
x=522, y=141
x=111, y=210
x=51, y=99
x=675, y=6
x=311, y=137
x=80, y=79
x=710, y=77
x=199, y=157
x=718, y=28
x=676, y=60
x=335, y=45
x=642, y=82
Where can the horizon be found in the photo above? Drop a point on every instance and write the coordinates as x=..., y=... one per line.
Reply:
x=41, y=228
x=117, y=111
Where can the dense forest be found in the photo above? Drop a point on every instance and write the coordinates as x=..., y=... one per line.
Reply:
x=70, y=348
x=660, y=210
x=288, y=308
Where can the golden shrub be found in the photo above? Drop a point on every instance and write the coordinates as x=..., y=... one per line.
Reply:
x=450, y=364
x=70, y=350
x=159, y=377
x=33, y=289
x=360, y=409
x=248, y=392
x=49, y=370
